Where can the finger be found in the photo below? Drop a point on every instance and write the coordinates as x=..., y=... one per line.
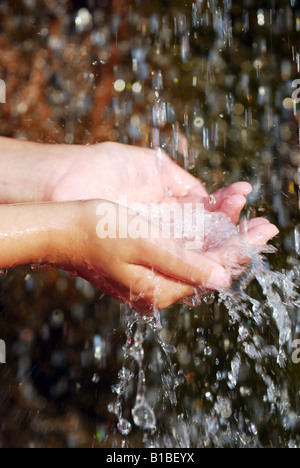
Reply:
x=180, y=182
x=233, y=206
x=238, y=188
x=170, y=259
x=183, y=144
x=239, y=250
x=260, y=234
x=246, y=225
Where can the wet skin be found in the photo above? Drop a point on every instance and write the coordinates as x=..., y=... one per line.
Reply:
x=143, y=273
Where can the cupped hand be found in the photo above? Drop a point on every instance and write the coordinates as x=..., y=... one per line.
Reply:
x=236, y=253
x=143, y=272
x=128, y=174
x=142, y=269
x=229, y=200
x=113, y=170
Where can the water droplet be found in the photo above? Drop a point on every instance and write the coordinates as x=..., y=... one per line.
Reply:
x=209, y=298
x=83, y=20
x=137, y=352
x=179, y=380
x=125, y=374
x=124, y=426
x=114, y=408
x=143, y=416
x=118, y=389
x=57, y=318
x=198, y=122
x=157, y=80
x=185, y=48
x=253, y=429
x=235, y=369
x=207, y=351
x=223, y=407
x=229, y=103
x=137, y=87
x=96, y=379
x=212, y=200
x=159, y=114
x=120, y=86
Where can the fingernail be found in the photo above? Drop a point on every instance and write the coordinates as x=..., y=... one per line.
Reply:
x=248, y=189
x=270, y=233
x=220, y=279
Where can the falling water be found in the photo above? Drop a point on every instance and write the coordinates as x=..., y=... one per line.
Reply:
x=220, y=112
x=251, y=316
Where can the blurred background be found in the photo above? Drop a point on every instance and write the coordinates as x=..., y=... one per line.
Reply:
x=140, y=72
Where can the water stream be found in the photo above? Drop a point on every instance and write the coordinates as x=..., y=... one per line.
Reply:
x=252, y=317
x=227, y=100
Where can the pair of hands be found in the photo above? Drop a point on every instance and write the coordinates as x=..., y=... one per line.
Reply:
x=147, y=273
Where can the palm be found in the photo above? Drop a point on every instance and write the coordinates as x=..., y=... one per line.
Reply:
x=109, y=170
x=127, y=175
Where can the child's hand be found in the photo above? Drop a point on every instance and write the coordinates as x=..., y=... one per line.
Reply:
x=33, y=172
x=145, y=272
x=110, y=170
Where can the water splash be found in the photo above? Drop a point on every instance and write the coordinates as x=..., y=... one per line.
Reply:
x=222, y=106
x=138, y=329
x=251, y=316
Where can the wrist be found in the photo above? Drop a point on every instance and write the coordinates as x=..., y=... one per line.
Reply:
x=30, y=171
x=36, y=234
x=64, y=234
